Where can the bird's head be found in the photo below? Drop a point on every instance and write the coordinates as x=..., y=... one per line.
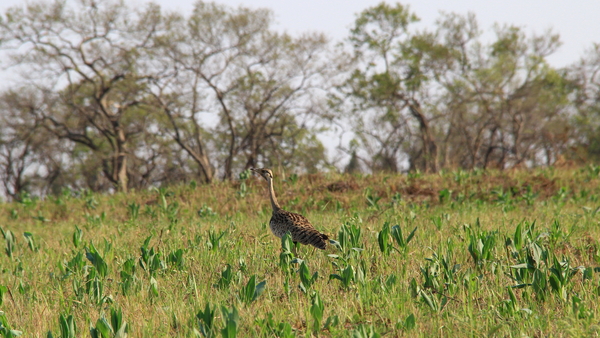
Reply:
x=266, y=173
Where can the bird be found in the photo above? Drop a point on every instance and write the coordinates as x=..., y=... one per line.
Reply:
x=282, y=222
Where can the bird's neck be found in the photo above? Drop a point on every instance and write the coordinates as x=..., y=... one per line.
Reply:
x=274, y=202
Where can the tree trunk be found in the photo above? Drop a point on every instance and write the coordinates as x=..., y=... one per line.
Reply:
x=429, y=145
x=120, y=167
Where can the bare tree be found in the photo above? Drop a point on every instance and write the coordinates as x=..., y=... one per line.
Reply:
x=499, y=100
x=259, y=87
x=585, y=74
x=84, y=60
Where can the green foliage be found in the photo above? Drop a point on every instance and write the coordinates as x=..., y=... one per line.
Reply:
x=10, y=242
x=206, y=320
x=399, y=238
x=176, y=259
x=3, y=291
x=214, y=239
x=116, y=328
x=481, y=244
x=365, y=331
x=150, y=260
x=243, y=176
x=306, y=280
x=97, y=260
x=134, y=210
x=383, y=239
x=286, y=256
x=269, y=328
x=546, y=268
x=30, y=241
x=226, y=278
x=346, y=276
x=129, y=282
x=409, y=322
x=5, y=329
x=77, y=237
x=231, y=320
x=316, y=311
x=349, y=236
x=75, y=265
x=252, y=291
x=68, y=328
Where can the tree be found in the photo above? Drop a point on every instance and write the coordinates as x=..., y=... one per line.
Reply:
x=227, y=66
x=586, y=101
x=84, y=60
x=446, y=99
x=387, y=90
x=502, y=104
x=30, y=158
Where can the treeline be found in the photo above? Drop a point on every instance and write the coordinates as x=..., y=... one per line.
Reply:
x=104, y=96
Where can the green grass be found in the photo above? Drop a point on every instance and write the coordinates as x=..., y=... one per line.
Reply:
x=505, y=254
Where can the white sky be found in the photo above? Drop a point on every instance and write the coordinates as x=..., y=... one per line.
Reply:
x=577, y=22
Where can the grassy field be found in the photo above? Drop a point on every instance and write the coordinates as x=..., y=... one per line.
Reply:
x=457, y=254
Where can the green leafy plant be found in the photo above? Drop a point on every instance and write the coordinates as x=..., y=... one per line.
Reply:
x=134, y=211
x=153, y=289
x=409, y=323
x=150, y=260
x=129, y=281
x=68, y=328
x=3, y=291
x=346, y=276
x=231, y=320
x=372, y=199
x=116, y=328
x=286, y=256
x=206, y=211
x=30, y=241
x=77, y=237
x=214, y=239
x=176, y=259
x=306, y=280
x=316, y=311
x=10, y=242
x=481, y=244
x=252, y=291
x=97, y=260
x=206, y=321
x=349, y=236
x=226, y=278
x=271, y=329
x=365, y=331
x=397, y=235
x=243, y=176
x=75, y=265
x=5, y=329
x=561, y=274
x=383, y=239
x=444, y=195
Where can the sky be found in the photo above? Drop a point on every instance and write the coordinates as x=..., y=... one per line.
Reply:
x=577, y=22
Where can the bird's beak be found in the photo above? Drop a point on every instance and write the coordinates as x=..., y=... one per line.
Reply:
x=253, y=169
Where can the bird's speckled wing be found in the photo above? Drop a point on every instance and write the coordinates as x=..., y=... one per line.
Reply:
x=302, y=231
